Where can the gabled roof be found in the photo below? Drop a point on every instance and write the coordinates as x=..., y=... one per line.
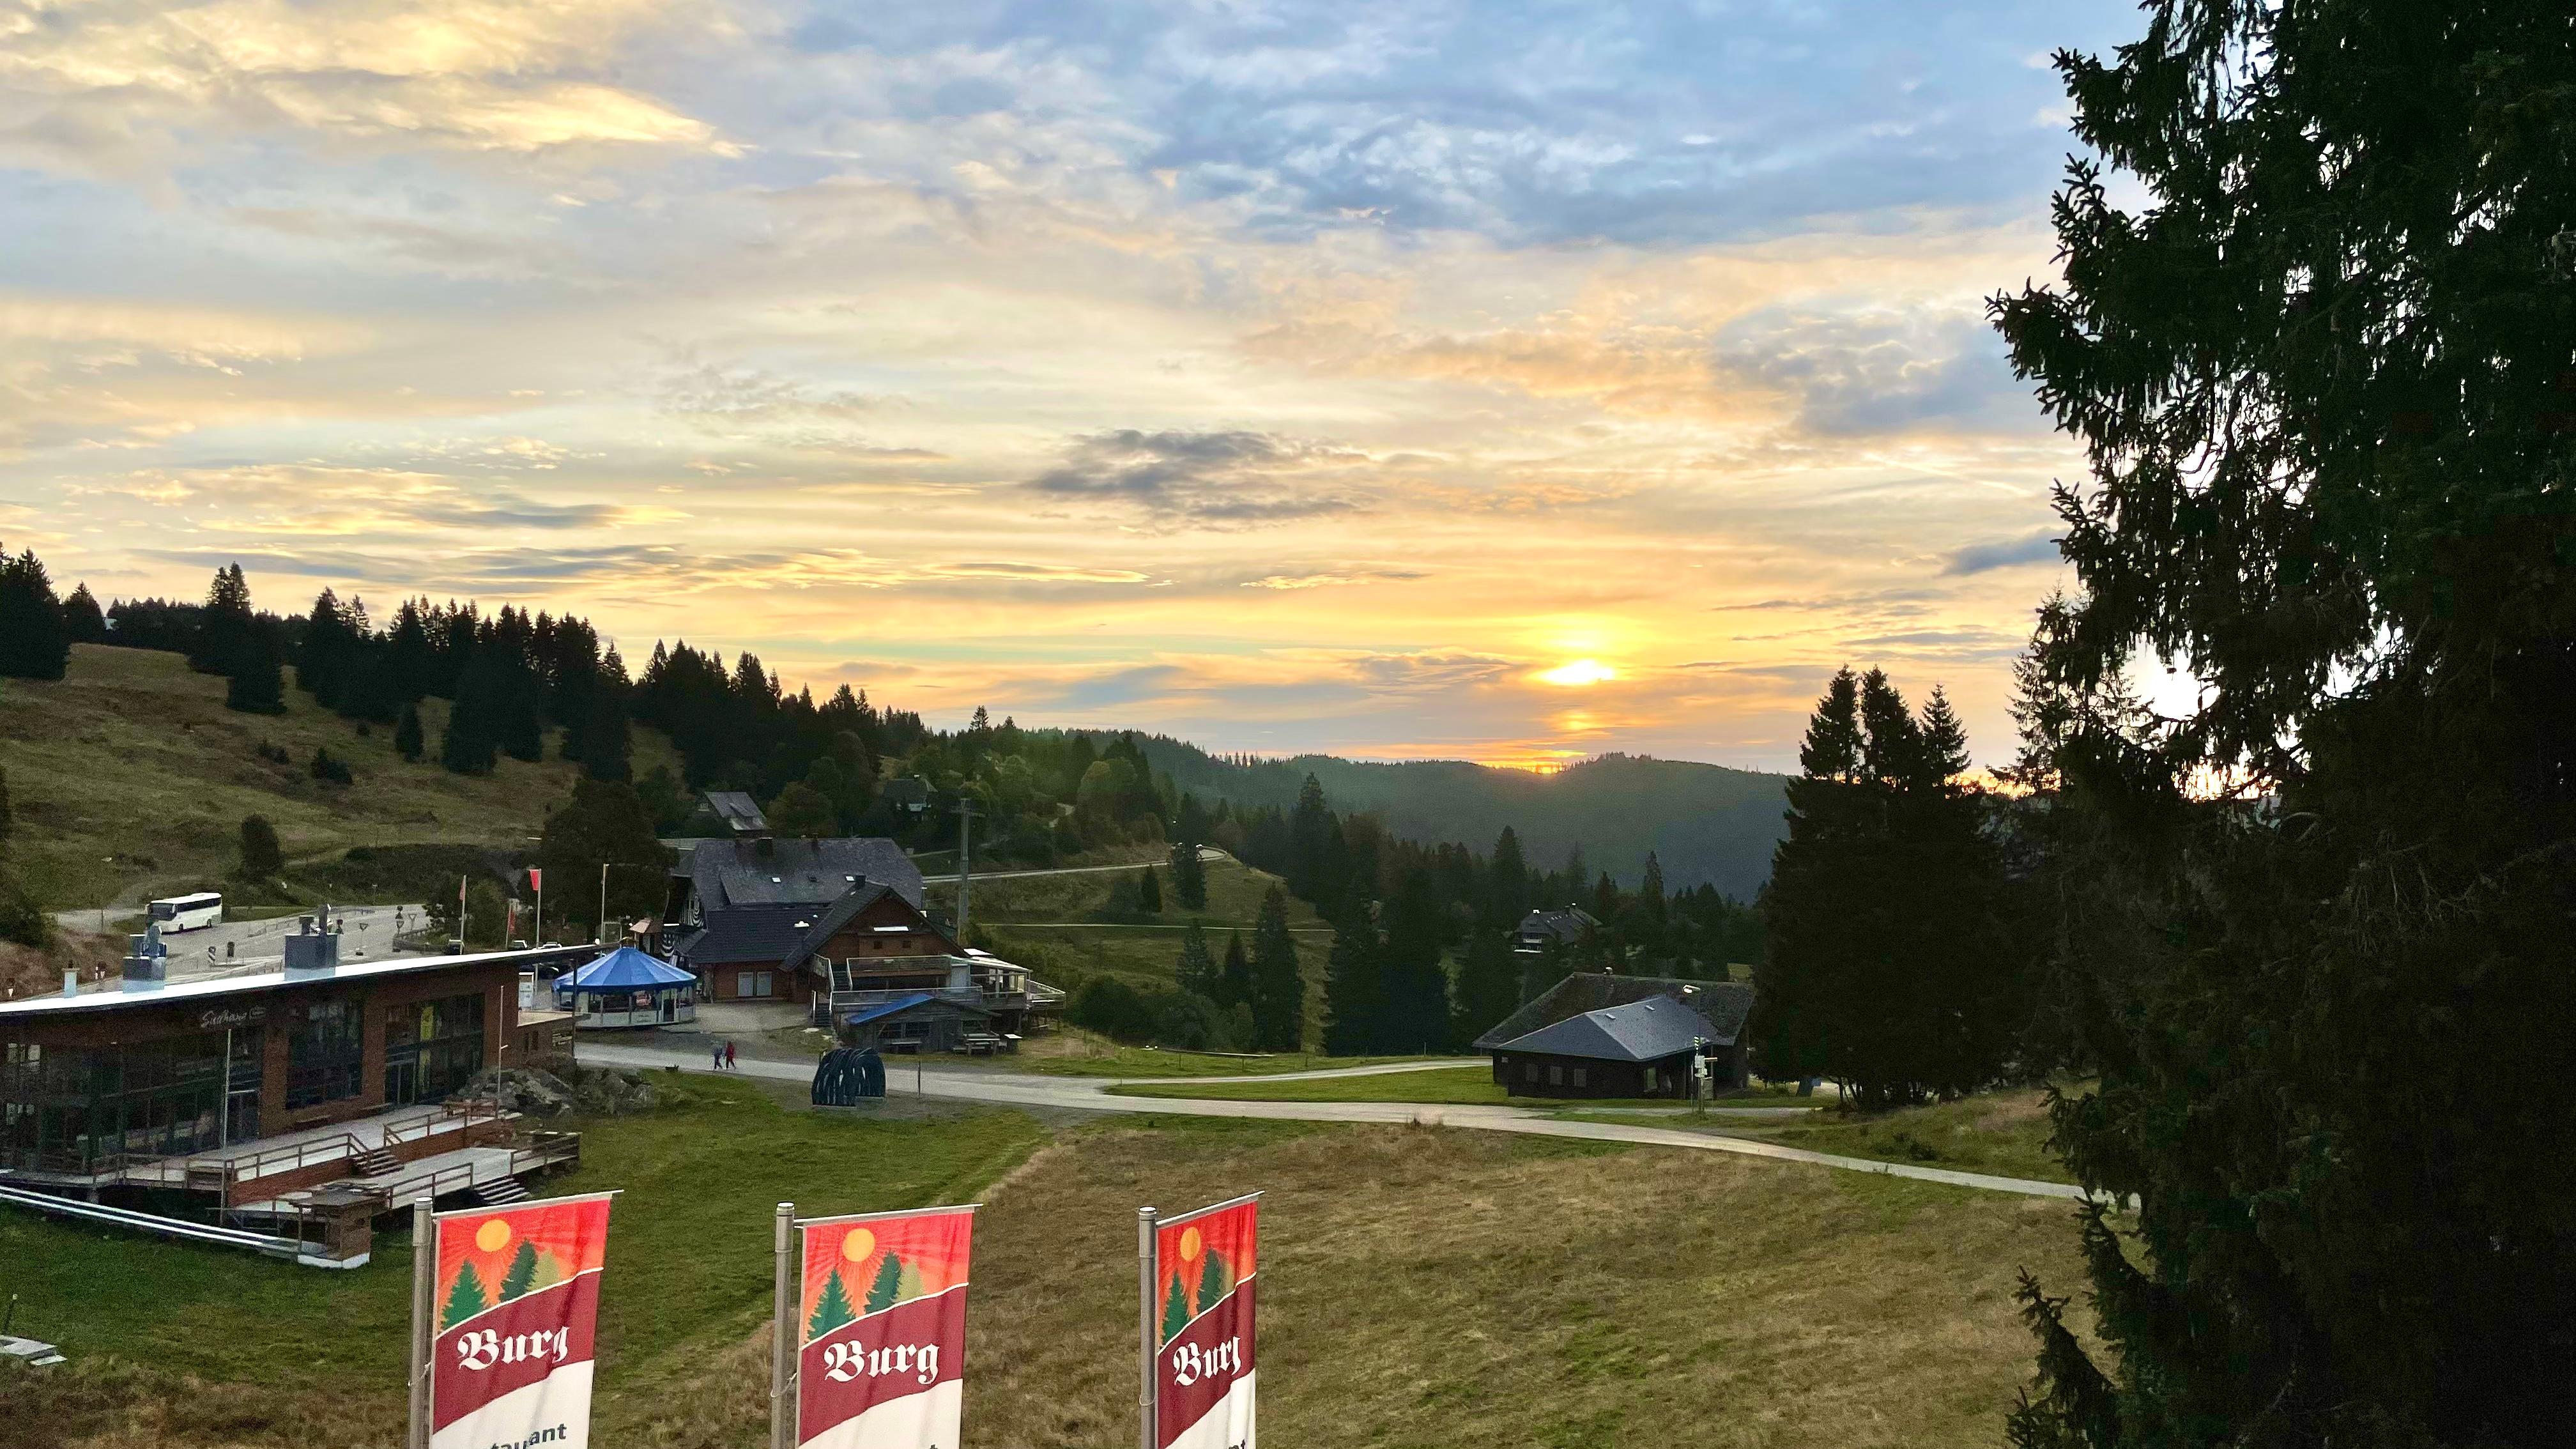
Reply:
x=1565, y=925
x=740, y=813
x=624, y=967
x=746, y=935
x=731, y=874
x=1722, y=1004
x=1641, y=1031
x=840, y=913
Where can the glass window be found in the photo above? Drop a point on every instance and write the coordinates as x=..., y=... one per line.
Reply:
x=326, y=1050
x=432, y=1048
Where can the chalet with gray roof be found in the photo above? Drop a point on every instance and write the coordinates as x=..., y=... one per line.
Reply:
x=1597, y=1035
x=1564, y=929
x=737, y=909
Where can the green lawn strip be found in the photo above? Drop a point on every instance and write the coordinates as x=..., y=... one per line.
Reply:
x=1467, y=1086
x=1147, y=1062
x=688, y=1253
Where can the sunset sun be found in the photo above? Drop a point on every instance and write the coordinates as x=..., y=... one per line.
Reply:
x=858, y=1244
x=1577, y=673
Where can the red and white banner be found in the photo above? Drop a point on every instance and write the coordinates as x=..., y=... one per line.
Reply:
x=517, y=1308
x=1203, y=1274
x=883, y=1358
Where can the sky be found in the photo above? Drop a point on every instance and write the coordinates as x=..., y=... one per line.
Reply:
x=1513, y=382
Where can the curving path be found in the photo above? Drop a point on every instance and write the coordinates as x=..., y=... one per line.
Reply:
x=1092, y=1095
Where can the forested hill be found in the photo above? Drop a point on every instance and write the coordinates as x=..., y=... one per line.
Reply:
x=1705, y=823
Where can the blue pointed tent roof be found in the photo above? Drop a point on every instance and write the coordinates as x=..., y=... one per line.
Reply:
x=624, y=969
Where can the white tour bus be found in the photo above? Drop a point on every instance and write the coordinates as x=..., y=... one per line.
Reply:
x=187, y=913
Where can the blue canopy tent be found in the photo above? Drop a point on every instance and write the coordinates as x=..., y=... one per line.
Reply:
x=628, y=988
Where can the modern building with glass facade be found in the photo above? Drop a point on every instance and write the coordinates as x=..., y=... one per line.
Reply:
x=93, y=1083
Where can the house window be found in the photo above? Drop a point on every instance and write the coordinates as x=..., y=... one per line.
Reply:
x=1578, y=1076
x=747, y=984
x=432, y=1047
x=1555, y=1075
x=1529, y=1071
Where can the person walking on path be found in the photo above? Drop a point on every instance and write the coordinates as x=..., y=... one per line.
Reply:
x=716, y=1049
x=729, y=1066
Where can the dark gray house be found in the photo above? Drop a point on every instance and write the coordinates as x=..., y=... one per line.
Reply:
x=1597, y=1035
x=736, y=909
x=1541, y=929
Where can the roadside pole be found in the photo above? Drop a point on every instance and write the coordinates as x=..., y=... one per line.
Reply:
x=782, y=1354
x=424, y=1287
x=1145, y=1327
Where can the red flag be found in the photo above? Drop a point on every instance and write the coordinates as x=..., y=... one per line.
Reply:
x=1203, y=1272
x=536, y=879
x=882, y=1329
x=517, y=1308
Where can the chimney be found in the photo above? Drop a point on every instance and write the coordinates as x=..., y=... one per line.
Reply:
x=313, y=950
x=147, y=962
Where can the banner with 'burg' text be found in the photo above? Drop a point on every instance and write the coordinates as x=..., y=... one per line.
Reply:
x=882, y=1360
x=517, y=1309
x=1203, y=1275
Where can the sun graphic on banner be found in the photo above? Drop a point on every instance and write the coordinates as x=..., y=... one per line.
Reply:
x=858, y=1244
x=493, y=1236
x=1190, y=1245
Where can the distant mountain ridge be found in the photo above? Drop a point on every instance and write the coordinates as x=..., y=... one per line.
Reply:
x=1705, y=823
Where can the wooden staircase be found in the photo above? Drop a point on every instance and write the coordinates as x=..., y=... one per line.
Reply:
x=373, y=1162
x=498, y=1194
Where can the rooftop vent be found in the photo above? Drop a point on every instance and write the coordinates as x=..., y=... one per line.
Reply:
x=314, y=949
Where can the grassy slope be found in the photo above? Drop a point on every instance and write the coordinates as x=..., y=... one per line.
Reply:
x=1141, y=951
x=2004, y=1132
x=130, y=779
x=688, y=1265
x=1420, y=1287
x=1460, y=1086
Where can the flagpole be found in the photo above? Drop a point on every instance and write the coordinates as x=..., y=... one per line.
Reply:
x=424, y=1287
x=782, y=1407
x=1145, y=1327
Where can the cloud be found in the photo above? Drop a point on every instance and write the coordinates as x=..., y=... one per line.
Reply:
x=1235, y=478
x=1329, y=580
x=119, y=81
x=1978, y=558
x=1873, y=373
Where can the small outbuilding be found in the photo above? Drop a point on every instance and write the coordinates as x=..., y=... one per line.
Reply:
x=1595, y=1035
x=627, y=988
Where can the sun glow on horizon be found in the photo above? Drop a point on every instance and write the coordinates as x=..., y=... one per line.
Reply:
x=1577, y=673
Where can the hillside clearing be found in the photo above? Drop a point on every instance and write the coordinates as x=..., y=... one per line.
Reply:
x=130, y=779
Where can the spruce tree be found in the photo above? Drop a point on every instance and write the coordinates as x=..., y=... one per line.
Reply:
x=1189, y=876
x=1212, y=1279
x=464, y=1300
x=82, y=620
x=522, y=1274
x=256, y=684
x=34, y=641
x=1176, y=1309
x=1234, y=980
x=888, y=1287
x=1507, y=882
x=1195, y=971
x=1489, y=985
x=407, y=737
x=2314, y=340
x=1355, y=989
x=225, y=625
x=1278, y=982
x=1149, y=891
x=832, y=1309
x=259, y=857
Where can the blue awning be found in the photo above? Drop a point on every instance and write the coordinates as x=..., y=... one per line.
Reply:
x=887, y=1008
x=623, y=969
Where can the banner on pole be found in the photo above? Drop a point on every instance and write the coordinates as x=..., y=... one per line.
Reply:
x=516, y=1301
x=1203, y=1276
x=883, y=1344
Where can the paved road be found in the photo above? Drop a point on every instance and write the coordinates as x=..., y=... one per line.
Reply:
x=366, y=934
x=1092, y=1095
x=1206, y=852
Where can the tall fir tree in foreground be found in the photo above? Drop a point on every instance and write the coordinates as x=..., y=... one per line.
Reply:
x=1196, y=972
x=2314, y=933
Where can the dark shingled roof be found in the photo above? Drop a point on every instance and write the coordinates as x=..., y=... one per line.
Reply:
x=731, y=874
x=1641, y=1031
x=1722, y=1004
x=738, y=811
x=746, y=934
x=840, y=913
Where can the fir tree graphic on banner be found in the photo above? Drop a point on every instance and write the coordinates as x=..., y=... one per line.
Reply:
x=831, y=1311
x=465, y=1299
